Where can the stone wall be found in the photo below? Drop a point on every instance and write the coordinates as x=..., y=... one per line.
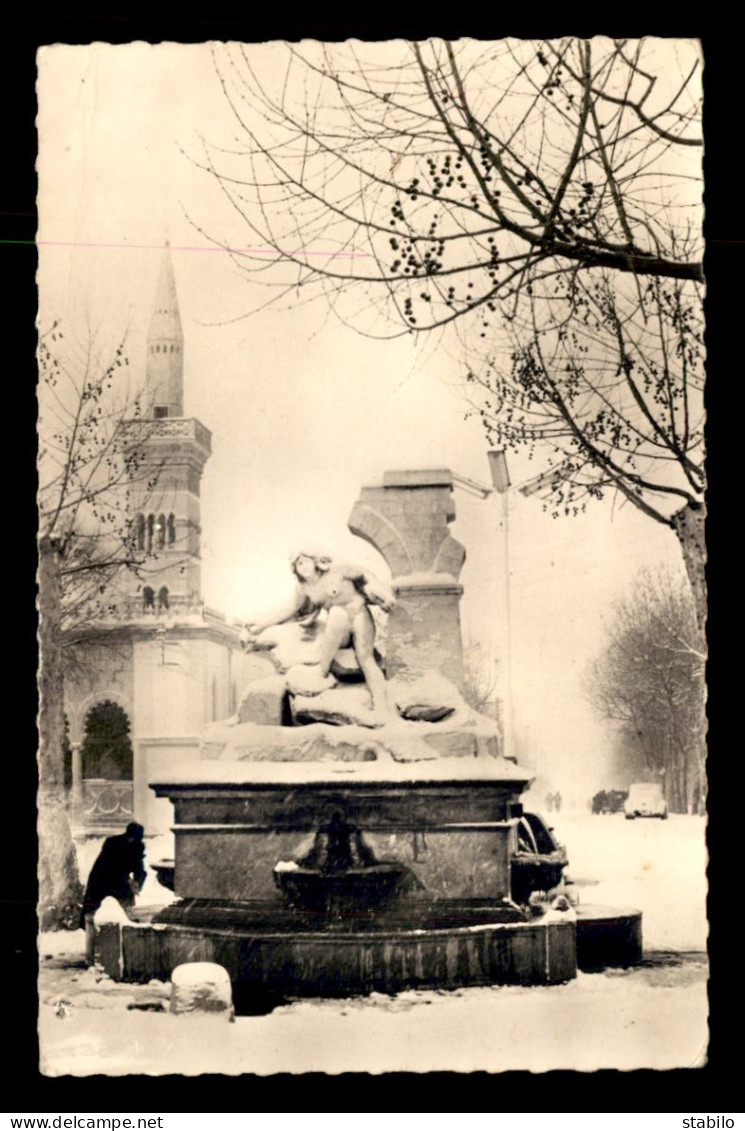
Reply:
x=406, y=520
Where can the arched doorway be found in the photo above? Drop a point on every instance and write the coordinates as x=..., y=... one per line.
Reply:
x=107, y=761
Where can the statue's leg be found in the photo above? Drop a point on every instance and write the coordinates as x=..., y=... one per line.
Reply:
x=336, y=634
x=363, y=636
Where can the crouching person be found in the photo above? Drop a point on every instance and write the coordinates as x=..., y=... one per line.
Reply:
x=118, y=871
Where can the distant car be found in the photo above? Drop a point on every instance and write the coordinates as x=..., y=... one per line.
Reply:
x=609, y=801
x=645, y=799
x=539, y=861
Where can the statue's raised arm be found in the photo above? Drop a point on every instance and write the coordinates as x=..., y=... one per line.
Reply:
x=282, y=613
x=371, y=588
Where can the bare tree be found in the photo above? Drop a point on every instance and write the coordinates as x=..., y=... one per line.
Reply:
x=650, y=682
x=481, y=677
x=540, y=199
x=606, y=380
x=467, y=167
x=86, y=468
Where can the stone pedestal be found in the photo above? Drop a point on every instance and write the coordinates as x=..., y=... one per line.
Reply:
x=450, y=821
x=406, y=520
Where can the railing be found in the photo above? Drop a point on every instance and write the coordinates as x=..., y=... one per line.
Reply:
x=103, y=802
x=164, y=428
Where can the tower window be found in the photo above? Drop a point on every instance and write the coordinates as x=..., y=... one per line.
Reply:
x=171, y=529
x=140, y=532
x=161, y=528
x=163, y=599
x=148, y=598
x=150, y=531
x=160, y=411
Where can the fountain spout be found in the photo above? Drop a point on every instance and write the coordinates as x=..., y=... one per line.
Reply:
x=338, y=846
x=341, y=875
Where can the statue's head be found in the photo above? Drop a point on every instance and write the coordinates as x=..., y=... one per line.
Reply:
x=319, y=558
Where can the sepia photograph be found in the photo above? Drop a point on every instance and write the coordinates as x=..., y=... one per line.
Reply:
x=371, y=557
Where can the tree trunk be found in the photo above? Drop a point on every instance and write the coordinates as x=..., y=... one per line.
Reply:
x=689, y=525
x=60, y=891
x=701, y=783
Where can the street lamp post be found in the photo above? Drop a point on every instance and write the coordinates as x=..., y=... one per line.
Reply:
x=500, y=491
x=501, y=482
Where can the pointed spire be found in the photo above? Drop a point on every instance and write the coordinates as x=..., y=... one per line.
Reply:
x=165, y=321
x=165, y=357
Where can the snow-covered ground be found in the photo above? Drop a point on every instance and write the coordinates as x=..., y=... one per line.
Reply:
x=656, y=866
x=654, y=1016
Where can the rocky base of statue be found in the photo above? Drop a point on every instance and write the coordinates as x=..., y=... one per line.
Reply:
x=294, y=650
x=428, y=719
x=428, y=698
x=325, y=717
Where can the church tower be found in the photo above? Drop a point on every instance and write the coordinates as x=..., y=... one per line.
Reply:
x=167, y=452
x=160, y=664
x=164, y=373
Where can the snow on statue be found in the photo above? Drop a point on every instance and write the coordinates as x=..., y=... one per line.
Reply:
x=346, y=592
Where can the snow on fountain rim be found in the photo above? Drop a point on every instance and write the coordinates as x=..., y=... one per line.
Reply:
x=484, y=770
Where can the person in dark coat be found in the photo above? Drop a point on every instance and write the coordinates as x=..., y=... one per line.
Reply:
x=118, y=871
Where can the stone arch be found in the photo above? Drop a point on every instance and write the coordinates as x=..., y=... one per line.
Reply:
x=450, y=557
x=78, y=714
x=106, y=749
x=369, y=524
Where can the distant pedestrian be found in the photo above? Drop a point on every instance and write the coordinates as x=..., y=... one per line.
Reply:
x=119, y=872
x=557, y=801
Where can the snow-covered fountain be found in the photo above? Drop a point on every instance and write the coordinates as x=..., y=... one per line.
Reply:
x=357, y=827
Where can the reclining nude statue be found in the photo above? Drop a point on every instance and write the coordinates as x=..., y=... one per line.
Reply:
x=345, y=591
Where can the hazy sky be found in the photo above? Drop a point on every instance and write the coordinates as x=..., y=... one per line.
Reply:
x=303, y=412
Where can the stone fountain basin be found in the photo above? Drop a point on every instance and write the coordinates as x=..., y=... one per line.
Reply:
x=345, y=893
x=165, y=871
x=274, y=953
